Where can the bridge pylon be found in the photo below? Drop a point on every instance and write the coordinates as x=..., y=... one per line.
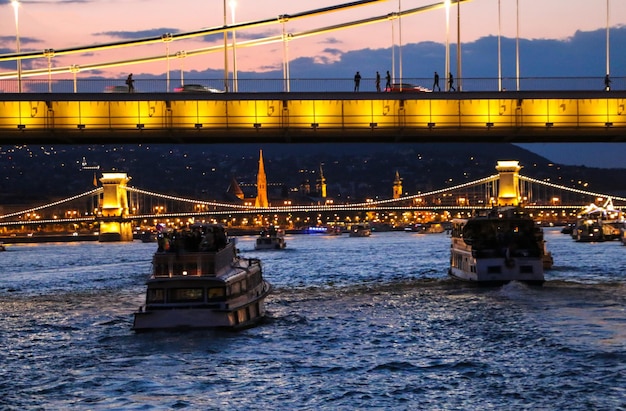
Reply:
x=114, y=225
x=508, y=189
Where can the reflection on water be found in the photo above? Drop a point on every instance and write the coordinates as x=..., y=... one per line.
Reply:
x=354, y=323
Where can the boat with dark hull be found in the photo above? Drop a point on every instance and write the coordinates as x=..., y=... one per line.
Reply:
x=360, y=230
x=271, y=239
x=200, y=281
x=499, y=246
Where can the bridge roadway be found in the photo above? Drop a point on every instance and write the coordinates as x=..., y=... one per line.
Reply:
x=312, y=117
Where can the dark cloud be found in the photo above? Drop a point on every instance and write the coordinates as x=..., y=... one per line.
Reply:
x=334, y=52
x=331, y=40
x=9, y=41
x=132, y=35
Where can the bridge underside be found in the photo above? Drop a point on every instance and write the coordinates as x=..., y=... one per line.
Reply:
x=556, y=116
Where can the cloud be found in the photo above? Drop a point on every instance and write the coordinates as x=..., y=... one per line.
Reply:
x=132, y=35
x=9, y=41
x=330, y=40
x=49, y=2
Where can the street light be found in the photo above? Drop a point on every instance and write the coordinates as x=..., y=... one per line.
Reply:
x=517, y=43
x=499, y=50
x=447, y=70
x=225, y=51
x=233, y=4
x=16, y=5
x=167, y=38
x=400, y=41
x=608, y=65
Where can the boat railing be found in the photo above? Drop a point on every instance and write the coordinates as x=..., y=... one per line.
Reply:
x=200, y=263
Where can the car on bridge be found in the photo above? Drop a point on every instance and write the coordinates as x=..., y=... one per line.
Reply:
x=116, y=89
x=408, y=88
x=196, y=88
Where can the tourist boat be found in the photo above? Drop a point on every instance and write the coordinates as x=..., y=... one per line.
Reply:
x=500, y=246
x=597, y=224
x=360, y=230
x=199, y=281
x=271, y=239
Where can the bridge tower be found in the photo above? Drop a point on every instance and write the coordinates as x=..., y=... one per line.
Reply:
x=321, y=184
x=113, y=223
x=397, y=186
x=508, y=190
x=261, y=185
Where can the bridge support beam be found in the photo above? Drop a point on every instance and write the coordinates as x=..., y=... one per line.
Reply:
x=508, y=190
x=113, y=223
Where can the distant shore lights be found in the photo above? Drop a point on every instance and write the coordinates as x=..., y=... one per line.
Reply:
x=16, y=6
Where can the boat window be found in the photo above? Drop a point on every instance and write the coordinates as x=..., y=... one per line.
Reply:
x=494, y=269
x=161, y=269
x=216, y=292
x=180, y=295
x=155, y=295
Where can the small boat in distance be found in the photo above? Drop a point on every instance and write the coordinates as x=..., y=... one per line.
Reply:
x=271, y=239
x=500, y=246
x=360, y=230
x=148, y=236
x=199, y=281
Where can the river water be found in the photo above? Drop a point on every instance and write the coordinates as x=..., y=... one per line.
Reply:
x=353, y=323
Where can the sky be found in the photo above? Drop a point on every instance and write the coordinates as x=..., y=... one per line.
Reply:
x=59, y=24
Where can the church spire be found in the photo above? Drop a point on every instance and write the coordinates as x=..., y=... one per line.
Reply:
x=321, y=184
x=397, y=186
x=261, y=184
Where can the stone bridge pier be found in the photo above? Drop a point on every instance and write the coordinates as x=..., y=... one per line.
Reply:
x=114, y=225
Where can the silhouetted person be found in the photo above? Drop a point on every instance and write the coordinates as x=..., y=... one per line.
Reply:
x=129, y=83
x=378, y=82
x=388, y=83
x=436, y=82
x=451, y=82
x=607, y=83
x=357, y=81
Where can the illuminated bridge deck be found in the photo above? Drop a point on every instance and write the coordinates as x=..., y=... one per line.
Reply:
x=511, y=116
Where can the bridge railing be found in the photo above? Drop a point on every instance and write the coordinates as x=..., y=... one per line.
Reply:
x=328, y=85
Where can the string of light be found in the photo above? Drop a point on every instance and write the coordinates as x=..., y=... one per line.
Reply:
x=573, y=190
x=55, y=203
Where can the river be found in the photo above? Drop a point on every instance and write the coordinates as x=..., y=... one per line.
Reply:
x=353, y=323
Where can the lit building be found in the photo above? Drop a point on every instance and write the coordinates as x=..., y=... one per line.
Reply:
x=261, y=185
x=397, y=186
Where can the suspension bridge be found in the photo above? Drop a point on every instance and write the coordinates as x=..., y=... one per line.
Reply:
x=115, y=209
x=61, y=110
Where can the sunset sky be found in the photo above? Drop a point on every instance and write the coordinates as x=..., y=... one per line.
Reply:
x=59, y=24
